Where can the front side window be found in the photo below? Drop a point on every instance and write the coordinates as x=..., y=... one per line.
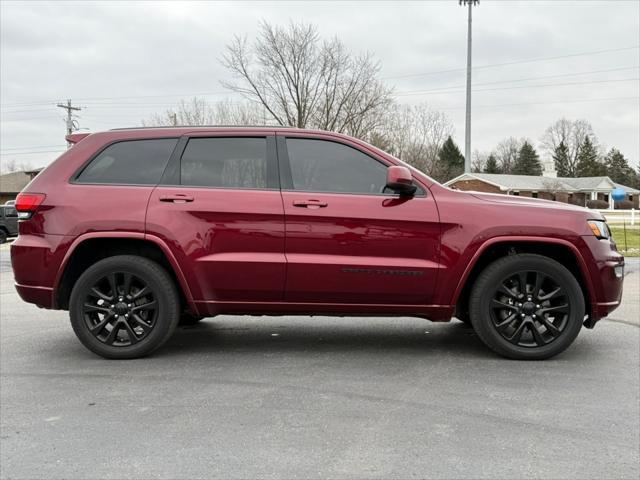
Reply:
x=131, y=162
x=223, y=162
x=324, y=166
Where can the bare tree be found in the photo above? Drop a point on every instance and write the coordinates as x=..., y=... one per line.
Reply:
x=197, y=111
x=11, y=165
x=478, y=161
x=570, y=132
x=506, y=152
x=415, y=134
x=305, y=82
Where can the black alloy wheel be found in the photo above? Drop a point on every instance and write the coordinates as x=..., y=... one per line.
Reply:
x=124, y=306
x=120, y=309
x=527, y=307
x=530, y=309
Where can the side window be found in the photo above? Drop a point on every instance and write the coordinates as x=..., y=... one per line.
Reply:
x=224, y=162
x=324, y=166
x=130, y=162
x=10, y=211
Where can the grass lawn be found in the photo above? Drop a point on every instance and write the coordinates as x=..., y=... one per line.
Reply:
x=633, y=240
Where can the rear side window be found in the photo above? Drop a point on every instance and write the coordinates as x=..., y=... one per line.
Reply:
x=132, y=162
x=225, y=162
x=323, y=166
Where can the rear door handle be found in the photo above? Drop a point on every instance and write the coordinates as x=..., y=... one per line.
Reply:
x=309, y=204
x=176, y=198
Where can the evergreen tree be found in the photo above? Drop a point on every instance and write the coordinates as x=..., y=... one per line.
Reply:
x=589, y=164
x=451, y=160
x=528, y=162
x=561, y=160
x=492, y=165
x=618, y=168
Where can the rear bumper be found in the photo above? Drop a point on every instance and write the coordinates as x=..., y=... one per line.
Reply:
x=41, y=296
x=36, y=261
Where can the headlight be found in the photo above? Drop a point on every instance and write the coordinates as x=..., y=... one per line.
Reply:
x=599, y=228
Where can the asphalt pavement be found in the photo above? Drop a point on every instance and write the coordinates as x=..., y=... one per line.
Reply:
x=322, y=397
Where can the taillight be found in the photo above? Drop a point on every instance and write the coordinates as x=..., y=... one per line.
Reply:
x=28, y=203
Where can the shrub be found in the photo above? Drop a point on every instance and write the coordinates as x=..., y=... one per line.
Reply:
x=576, y=201
x=624, y=205
x=599, y=204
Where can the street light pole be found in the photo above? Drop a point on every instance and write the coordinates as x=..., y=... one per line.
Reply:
x=467, y=130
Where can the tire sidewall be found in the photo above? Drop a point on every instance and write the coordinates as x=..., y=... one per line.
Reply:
x=484, y=291
x=157, y=280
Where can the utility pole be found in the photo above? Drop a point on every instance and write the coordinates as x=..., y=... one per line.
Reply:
x=467, y=126
x=72, y=125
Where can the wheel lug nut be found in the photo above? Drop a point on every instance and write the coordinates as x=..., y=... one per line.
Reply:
x=116, y=316
x=537, y=306
x=129, y=305
x=522, y=315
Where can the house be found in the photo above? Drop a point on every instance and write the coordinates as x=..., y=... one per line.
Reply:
x=11, y=184
x=563, y=189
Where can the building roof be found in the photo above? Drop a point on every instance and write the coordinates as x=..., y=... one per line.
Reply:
x=14, y=182
x=540, y=183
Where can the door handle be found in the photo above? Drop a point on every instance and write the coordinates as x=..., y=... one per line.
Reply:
x=309, y=204
x=176, y=198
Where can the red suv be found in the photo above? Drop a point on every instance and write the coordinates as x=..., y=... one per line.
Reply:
x=134, y=230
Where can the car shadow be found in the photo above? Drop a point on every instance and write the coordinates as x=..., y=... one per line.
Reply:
x=306, y=334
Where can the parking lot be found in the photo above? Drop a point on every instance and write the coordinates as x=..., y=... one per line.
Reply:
x=297, y=397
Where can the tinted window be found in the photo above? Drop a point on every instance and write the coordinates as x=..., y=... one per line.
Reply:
x=225, y=163
x=10, y=211
x=322, y=166
x=138, y=162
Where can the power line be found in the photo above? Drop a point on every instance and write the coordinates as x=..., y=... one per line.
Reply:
x=526, y=79
x=85, y=99
x=31, y=153
x=32, y=147
x=585, y=100
x=515, y=62
x=449, y=90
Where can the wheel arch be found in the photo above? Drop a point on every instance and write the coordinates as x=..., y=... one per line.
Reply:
x=89, y=248
x=557, y=249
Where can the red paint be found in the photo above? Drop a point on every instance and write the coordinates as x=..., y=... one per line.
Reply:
x=281, y=251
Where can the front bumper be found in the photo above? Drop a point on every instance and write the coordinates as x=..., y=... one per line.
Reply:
x=607, y=278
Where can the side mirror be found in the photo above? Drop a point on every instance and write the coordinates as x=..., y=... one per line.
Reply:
x=399, y=180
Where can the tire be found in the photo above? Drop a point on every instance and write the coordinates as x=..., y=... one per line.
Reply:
x=3, y=236
x=188, y=319
x=548, y=314
x=144, y=310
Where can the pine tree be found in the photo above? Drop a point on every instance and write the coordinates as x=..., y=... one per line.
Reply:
x=492, y=165
x=451, y=160
x=618, y=168
x=588, y=163
x=561, y=160
x=528, y=162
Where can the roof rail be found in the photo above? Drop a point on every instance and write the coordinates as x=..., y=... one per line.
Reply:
x=203, y=126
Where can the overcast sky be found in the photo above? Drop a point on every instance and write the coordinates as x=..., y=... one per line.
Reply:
x=122, y=62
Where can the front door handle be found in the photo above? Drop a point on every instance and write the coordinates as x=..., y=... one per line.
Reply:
x=176, y=198
x=309, y=204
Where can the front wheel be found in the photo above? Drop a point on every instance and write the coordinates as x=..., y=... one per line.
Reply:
x=527, y=307
x=124, y=307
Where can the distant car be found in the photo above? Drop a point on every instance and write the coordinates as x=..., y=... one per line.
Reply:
x=131, y=229
x=8, y=222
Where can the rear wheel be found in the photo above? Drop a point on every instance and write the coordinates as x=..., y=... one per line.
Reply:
x=3, y=236
x=527, y=307
x=124, y=307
